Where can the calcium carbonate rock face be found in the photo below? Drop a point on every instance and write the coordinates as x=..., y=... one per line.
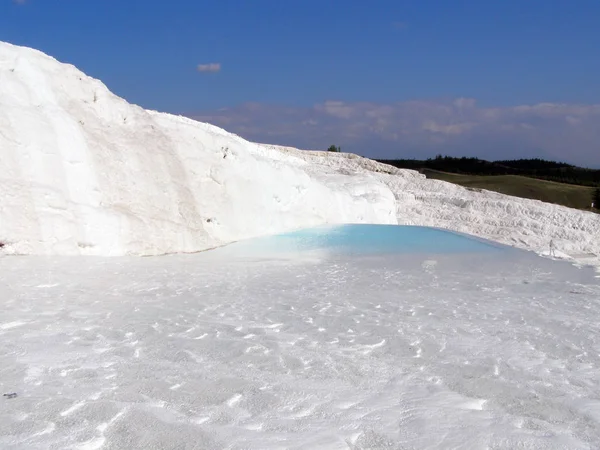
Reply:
x=84, y=172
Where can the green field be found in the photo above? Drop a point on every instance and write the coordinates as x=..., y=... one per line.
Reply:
x=570, y=195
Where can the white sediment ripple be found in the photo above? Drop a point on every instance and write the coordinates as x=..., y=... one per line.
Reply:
x=487, y=352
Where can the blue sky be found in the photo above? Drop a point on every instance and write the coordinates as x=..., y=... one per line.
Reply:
x=382, y=78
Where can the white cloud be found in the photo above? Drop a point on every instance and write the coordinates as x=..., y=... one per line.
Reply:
x=455, y=129
x=210, y=67
x=566, y=132
x=337, y=109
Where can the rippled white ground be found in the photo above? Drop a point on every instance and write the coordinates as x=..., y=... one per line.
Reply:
x=210, y=351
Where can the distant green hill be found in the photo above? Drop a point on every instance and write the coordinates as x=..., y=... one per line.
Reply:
x=570, y=195
x=534, y=168
x=538, y=179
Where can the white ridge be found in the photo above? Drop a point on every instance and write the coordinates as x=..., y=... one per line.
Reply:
x=85, y=172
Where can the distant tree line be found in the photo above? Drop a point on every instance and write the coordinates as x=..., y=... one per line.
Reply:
x=534, y=168
x=596, y=198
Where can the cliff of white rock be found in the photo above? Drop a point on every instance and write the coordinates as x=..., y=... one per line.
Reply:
x=84, y=172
